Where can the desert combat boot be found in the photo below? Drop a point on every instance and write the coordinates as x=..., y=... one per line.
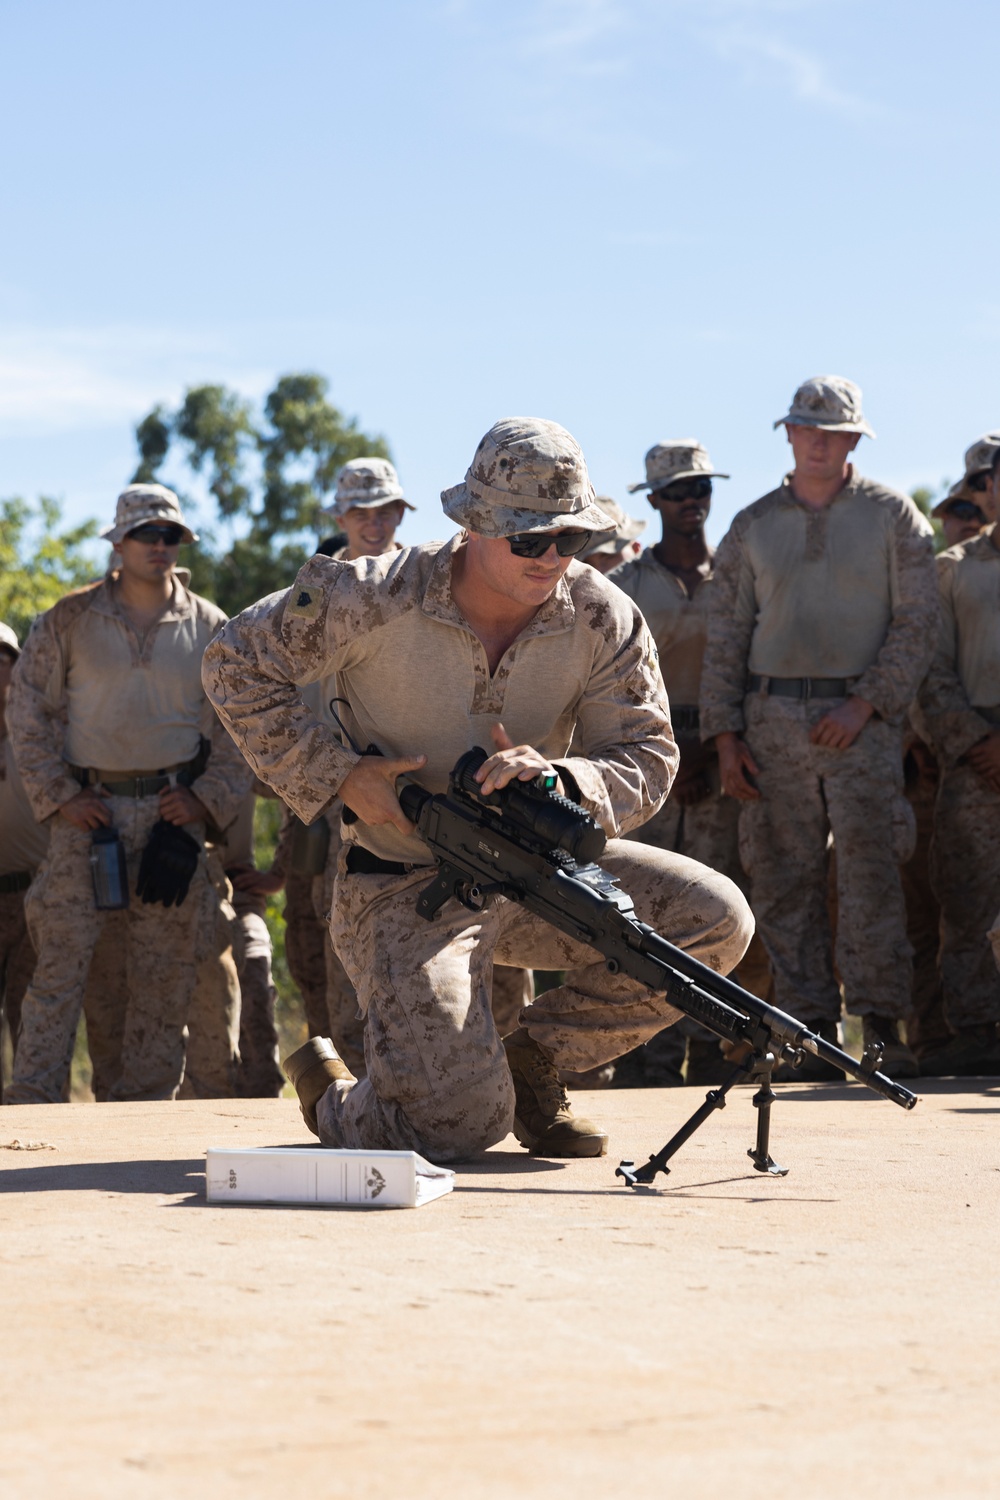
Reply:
x=311, y=1070
x=543, y=1118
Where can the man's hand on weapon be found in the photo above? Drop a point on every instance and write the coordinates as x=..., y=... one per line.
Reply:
x=369, y=790
x=179, y=805
x=520, y=761
x=87, y=810
x=984, y=758
x=736, y=766
x=841, y=726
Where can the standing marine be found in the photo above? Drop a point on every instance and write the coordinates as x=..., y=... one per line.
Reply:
x=960, y=712
x=120, y=751
x=822, y=624
x=669, y=582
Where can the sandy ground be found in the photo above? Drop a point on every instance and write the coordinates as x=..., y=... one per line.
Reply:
x=542, y=1331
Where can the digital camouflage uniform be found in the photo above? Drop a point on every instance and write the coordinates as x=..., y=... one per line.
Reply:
x=960, y=705
x=846, y=593
x=22, y=848
x=417, y=678
x=92, y=691
x=212, y=1026
x=259, y=1074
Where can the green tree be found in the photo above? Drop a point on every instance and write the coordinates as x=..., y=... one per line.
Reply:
x=925, y=497
x=39, y=562
x=273, y=472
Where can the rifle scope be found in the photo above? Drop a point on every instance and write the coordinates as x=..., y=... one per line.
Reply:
x=554, y=820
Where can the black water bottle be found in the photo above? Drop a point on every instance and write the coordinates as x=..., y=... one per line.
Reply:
x=108, y=870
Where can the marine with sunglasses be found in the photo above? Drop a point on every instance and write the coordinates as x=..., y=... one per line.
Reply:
x=668, y=583
x=109, y=721
x=960, y=712
x=498, y=638
x=821, y=627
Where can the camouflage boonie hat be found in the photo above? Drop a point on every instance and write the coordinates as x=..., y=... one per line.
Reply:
x=683, y=458
x=827, y=401
x=527, y=475
x=364, y=483
x=980, y=457
x=8, y=640
x=627, y=528
x=145, y=502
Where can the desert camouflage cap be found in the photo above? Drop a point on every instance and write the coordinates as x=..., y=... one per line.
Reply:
x=145, y=502
x=981, y=455
x=528, y=474
x=681, y=458
x=827, y=401
x=627, y=528
x=8, y=639
x=366, y=482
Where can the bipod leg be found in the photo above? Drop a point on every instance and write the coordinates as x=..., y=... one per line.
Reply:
x=761, y=1065
x=715, y=1099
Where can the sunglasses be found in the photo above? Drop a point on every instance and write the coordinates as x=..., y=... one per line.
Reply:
x=537, y=543
x=170, y=536
x=685, y=489
x=964, y=510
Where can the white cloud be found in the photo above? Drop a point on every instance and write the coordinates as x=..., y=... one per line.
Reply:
x=801, y=72
x=61, y=379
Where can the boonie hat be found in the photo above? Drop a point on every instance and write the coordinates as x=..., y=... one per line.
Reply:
x=682, y=458
x=365, y=482
x=8, y=639
x=627, y=528
x=528, y=474
x=980, y=456
x=146, y=502
x=827, y=401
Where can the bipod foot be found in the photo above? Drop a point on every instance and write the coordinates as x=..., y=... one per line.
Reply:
x=767, y=1165
x=640, y=1176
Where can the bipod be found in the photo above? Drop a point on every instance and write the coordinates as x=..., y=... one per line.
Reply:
x=756, y=1067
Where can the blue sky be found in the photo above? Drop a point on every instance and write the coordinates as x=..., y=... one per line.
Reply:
x=644, y=220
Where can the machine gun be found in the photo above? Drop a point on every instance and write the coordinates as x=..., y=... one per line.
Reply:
x=530, y=844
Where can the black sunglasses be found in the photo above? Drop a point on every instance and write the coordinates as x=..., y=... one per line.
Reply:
x=965, y=510
x=686, y=489
x=537, y=543
x=170, y=536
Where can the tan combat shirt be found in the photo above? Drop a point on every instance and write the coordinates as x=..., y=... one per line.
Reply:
x=417, y=681
x=846, y=591
x=23, y=842
x=965, y=672
x=677, y=618
x=91, y=690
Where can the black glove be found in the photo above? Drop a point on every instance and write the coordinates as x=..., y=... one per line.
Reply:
x=168, y=863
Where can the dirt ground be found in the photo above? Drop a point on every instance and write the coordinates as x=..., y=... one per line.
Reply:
x=540, y=1332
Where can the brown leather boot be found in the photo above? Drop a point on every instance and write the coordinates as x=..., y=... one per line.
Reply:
x=311, y=1070
x=543, y=1119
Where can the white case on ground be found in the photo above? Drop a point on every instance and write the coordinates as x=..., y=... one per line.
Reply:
x=313, y=1174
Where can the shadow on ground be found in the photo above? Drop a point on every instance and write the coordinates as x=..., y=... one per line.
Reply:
x=161, y=1177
